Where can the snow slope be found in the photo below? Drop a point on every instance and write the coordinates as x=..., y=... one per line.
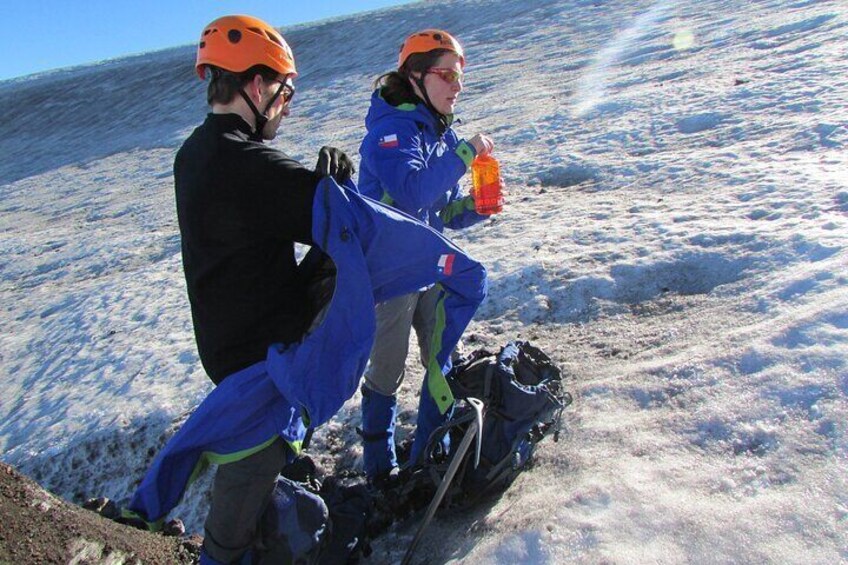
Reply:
x=675, y=236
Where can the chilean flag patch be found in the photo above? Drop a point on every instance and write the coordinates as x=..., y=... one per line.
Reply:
x=446, y=264
x=388, y=141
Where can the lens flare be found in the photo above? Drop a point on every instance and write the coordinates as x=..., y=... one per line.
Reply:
x=683, y=39
x=591, y=90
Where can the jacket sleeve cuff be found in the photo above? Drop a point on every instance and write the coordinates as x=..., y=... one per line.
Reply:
x=466, y=152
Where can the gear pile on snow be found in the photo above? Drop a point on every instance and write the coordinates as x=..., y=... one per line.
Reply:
x=523, y=401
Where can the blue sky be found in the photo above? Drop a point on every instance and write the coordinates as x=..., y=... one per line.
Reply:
x=39, y=35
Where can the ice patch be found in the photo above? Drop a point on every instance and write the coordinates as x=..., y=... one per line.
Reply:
x=829, y=136
x=523, y=548
x=568, y=175
x=740, y=438
x=648, y=398
x=804, y=398
x=700, y=122
x=797, y=289
x=753, y=362
x=841, y=200
x=535, y=294
x=800, y=27
x=826, y=332
x=710, y=432
x=696, y=274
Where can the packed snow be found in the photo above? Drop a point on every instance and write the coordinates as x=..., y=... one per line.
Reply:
x=675, y=236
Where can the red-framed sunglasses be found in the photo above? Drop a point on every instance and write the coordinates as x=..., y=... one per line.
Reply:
x=450, y=76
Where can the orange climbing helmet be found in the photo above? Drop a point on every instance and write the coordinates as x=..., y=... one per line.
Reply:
x=236, y=43
x=428, y=40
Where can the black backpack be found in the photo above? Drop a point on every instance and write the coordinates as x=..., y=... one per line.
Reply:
x=521, y=389
x=312, y=522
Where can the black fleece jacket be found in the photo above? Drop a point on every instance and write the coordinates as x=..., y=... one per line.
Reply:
x=241, y=206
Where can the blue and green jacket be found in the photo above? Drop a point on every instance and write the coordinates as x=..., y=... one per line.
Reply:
x=407, y=164
x=379, y=253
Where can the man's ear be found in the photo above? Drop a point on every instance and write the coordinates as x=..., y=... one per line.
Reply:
x=254, y=88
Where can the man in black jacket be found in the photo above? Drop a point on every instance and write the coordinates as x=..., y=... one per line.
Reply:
x=241, y=207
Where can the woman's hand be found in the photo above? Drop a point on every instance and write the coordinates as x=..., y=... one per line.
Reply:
x=482, y=144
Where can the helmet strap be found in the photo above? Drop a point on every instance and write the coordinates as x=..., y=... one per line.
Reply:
x=275, y=96
x=440, y=118
x=261, y=117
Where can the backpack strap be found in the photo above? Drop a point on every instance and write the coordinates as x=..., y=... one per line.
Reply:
x=487, y=382
x=500, y=471
x=473, y=364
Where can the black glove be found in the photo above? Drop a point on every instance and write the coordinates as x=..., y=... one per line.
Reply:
x=333, y=162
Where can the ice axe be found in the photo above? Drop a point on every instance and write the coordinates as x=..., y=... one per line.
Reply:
x=474, y=430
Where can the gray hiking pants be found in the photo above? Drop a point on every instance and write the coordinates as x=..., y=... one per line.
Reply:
x=395, y=317
x=240, y=494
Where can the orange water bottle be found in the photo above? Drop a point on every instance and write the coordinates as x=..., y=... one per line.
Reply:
x=486, y=185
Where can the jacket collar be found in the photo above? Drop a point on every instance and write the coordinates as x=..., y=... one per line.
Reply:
x=418, y=112
x=231, y=123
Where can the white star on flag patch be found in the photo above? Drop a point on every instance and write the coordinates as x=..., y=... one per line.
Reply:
x=388, y=141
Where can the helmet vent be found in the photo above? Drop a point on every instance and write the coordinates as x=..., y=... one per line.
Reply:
x=235, y=43
x=275, y=39
x=266, y=34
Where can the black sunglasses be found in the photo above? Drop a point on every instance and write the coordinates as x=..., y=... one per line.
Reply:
x=286, y=91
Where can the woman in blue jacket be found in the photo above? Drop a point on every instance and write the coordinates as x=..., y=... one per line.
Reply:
x=413, y=160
